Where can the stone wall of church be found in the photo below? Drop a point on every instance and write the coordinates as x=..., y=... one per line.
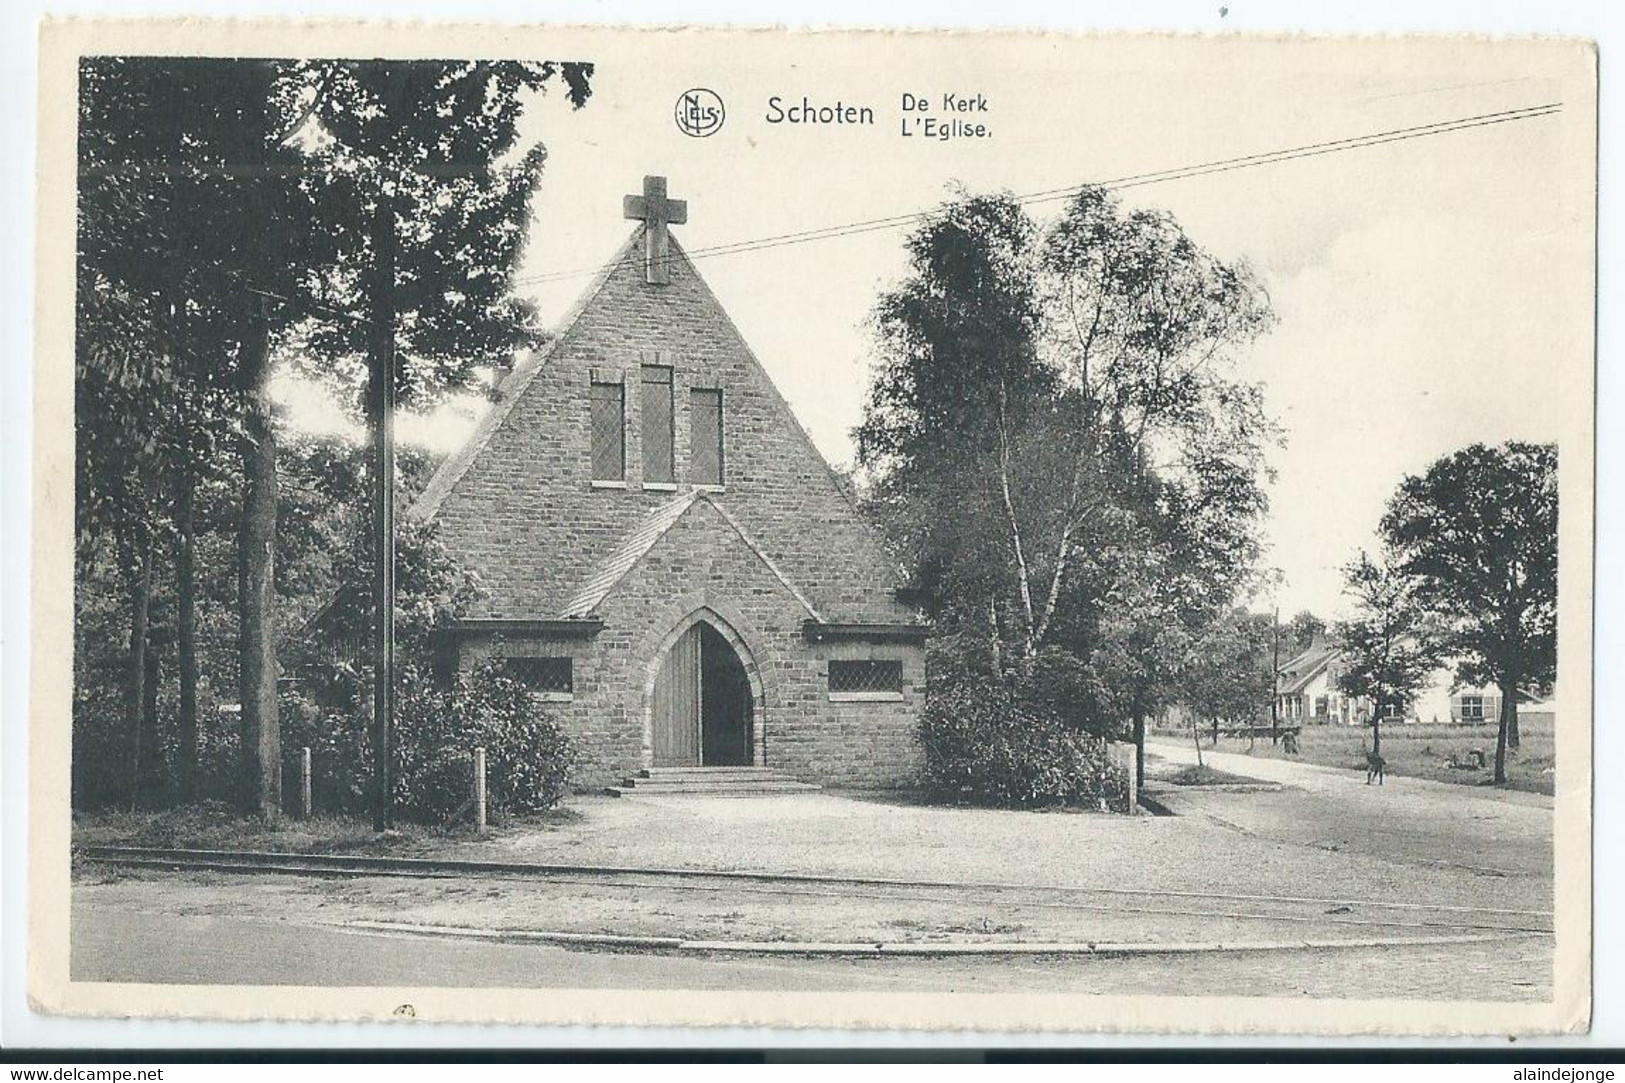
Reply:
x=703, y=566
x=527, y=515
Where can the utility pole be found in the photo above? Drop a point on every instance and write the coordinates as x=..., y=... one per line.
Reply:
x=1275, y=677
x=381, y=411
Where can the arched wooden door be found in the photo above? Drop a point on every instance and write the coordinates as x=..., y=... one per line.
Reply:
x=702, y=703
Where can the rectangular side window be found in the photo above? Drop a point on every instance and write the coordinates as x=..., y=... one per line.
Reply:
x=657, y=424
x=608, y=432
x=705, y=436
x=548, y=675
x=874, y=678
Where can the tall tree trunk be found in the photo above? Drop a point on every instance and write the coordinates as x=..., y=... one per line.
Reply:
x=1029, y=637
x=1376, y=731
x=1509, y=722
x=995, y=638
x=257, y=670
x=136, y=692
x=186, y=640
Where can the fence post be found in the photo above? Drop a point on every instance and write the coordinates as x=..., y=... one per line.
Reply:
x=304, y=782
x=479, y=790
x=1124, y=757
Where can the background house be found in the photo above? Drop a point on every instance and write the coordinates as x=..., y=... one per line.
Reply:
x=1307, y=694
x=1306, y=688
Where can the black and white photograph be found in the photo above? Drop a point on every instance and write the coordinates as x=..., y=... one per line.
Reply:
x=1024, y=531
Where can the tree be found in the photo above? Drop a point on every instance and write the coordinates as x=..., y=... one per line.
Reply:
x=1477, y=535
x=959, y=373
x=1038, y=393
x=424, y=195
x=172, y=231
x=1056, y=443
x=1144, y=326
x=223, y=216
x=1303, y=629
x=1390, y=647
x=1228, y=678
x=115, y=493
x=422, y=189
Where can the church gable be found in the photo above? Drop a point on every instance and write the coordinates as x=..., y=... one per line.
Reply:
x=546, y=493
x=703, y=554
x=608, y=576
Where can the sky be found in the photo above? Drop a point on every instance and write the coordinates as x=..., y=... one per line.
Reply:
x=1424, y=288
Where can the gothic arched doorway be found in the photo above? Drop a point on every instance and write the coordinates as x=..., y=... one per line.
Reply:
x=702, y=704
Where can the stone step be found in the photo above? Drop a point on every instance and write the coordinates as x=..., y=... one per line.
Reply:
x=712, y=781
x=708, y=784
x=740, y=789
x=710, y=772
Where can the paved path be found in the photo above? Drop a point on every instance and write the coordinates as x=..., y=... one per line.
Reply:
x=1501, y=838
x=1341, y=782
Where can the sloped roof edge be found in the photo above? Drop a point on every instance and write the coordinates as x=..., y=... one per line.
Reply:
x=591, y=594
x=784, y=405
x=510, y=391
x=761, y=554
x=1306, y=667
x=626, y=556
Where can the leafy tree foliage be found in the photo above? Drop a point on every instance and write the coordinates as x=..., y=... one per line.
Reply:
x=228, y=214
x=443, y=716
x=1476, y=534
x=429, y=152
x=1012, y=745
x=1303, y=629
x=188, y=211
x=1229, y=677
x=1390, y=646
x=1056, y=441
x=947, y=408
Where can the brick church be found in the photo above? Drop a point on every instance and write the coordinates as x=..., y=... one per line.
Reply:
x=667, y=556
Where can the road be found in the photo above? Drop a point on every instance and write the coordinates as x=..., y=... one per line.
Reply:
x=130, y=945
x=1325, y=836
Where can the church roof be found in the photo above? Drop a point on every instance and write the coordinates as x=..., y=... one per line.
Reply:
x=516, y=504
x=511, y=390
x=598, y=585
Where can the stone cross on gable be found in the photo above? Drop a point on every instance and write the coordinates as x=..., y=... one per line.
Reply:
x=657, y=212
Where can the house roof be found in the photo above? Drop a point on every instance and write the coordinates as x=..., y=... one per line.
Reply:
x=1298, y=671
x=637, y=544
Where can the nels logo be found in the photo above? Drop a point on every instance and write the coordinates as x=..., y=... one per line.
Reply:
x=699, y=112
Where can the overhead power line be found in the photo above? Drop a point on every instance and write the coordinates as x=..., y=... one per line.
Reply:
x=1134, y=180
